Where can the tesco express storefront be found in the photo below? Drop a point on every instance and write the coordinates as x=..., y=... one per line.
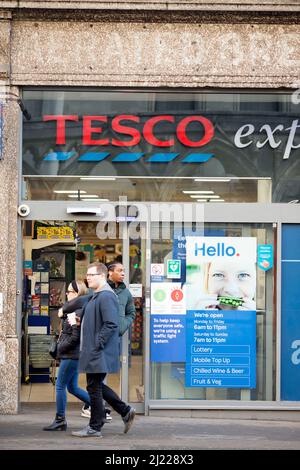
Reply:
x=197, y=194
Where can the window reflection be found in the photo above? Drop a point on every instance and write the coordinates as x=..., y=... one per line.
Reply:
x=146, y=189
x=255, y=136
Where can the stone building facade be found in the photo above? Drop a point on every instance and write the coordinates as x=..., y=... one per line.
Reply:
x=131, y=44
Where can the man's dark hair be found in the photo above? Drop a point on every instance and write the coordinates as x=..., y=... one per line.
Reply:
x=100, y=267
x=112, y=266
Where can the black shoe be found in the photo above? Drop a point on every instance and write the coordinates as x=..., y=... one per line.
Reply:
x=59, y=424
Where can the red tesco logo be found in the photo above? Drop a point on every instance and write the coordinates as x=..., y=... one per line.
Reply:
x=89, y=127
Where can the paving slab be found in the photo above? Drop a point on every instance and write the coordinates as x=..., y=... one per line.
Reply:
x=24, y=432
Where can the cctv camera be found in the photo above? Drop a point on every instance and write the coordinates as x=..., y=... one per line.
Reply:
x=23, y=210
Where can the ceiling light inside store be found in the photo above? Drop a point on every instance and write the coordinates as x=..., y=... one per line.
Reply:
x=210, y=200
x=96, y=199
x=198, y=192
x=98, y=178
x=69, y=191
x=213, y=196
x=210, y=180
x=86, y=196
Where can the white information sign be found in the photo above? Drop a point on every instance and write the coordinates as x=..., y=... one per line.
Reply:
x=157, y=269
x=167, y=298
x=136, y=290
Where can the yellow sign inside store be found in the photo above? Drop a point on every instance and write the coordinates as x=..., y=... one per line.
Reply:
x=55, y=233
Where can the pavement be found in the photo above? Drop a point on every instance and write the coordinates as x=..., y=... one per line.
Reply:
x=24, y=432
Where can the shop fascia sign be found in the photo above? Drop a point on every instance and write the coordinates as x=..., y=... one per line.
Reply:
x=242, y=138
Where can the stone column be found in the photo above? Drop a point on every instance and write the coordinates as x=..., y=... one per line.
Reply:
x=9, y=156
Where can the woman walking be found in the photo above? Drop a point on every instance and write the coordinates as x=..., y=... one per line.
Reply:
x=68, y=353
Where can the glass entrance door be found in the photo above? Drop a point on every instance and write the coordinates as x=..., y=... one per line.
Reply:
x=54, y=253
x=130, y=381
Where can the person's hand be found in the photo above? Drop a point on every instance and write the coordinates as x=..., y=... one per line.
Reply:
x=207, y=301
x=78, y=321
x=60, y=312
x=248, y=304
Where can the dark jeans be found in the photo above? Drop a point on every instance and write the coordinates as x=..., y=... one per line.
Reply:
x=98, y=391
x=114, y=401
x=94, y=388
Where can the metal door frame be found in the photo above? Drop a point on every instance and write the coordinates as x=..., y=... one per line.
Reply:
x=56, y=211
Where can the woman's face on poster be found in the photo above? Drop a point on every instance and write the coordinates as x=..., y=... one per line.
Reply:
x=235, y=278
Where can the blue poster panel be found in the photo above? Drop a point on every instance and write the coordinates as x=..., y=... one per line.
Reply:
x=290, y=313
x=220, y=348
x=167, y=322
x=221, y=312
x=167, y=338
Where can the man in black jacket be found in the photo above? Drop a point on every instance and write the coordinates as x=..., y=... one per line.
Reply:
x=116, y=274
x=99, y=351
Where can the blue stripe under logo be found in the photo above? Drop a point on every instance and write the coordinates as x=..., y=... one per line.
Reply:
x=129, y=157
x=162, y=158
x=59, y=156
x=93, y=157
x=197, y=158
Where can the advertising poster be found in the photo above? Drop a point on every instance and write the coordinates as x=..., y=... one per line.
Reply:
x=290, y=314
x=221, y=312
x=168, y=311
x=179, y=244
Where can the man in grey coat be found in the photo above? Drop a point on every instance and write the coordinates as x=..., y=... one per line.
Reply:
x=99, y=351
x=127, y=312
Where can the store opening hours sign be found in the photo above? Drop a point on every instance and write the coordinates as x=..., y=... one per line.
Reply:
x=220, y=349
x=221, y=312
